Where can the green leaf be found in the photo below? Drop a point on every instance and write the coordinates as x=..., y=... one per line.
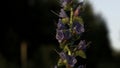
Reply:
x=62, y=45
x=79, y=19
x=76, y=37
x=67, y=7
x=61, y=62
x=65, y=20
x=80, y=53
x=66, y=49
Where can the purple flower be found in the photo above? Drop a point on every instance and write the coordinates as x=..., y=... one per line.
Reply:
x=60, y=25
x=63, y=13
x=63, y=35
x=71, y=60
x=59, y=35
x=62, y=55
x=77, y=27
x=65, y=2
x=82, y=45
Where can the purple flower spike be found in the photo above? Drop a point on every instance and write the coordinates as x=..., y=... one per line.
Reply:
x=78, y=28
x=82, y=45
x=63, y=13
x=63, y=35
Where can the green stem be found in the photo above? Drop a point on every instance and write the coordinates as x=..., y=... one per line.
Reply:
x=71, y=16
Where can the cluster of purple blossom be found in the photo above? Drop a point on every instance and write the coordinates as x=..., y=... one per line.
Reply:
x=70, y=27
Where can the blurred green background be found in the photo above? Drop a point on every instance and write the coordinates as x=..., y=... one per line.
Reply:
x=32, y=22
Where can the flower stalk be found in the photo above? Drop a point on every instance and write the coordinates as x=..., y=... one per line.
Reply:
x=70, y=28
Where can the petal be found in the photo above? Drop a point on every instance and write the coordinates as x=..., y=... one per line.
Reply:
x=59, y=35
x=71, y=60
x=62, y=55
x=63, y=13
x=60, y=25
x=77, y=27
x=82, y=45
x=77, y=11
